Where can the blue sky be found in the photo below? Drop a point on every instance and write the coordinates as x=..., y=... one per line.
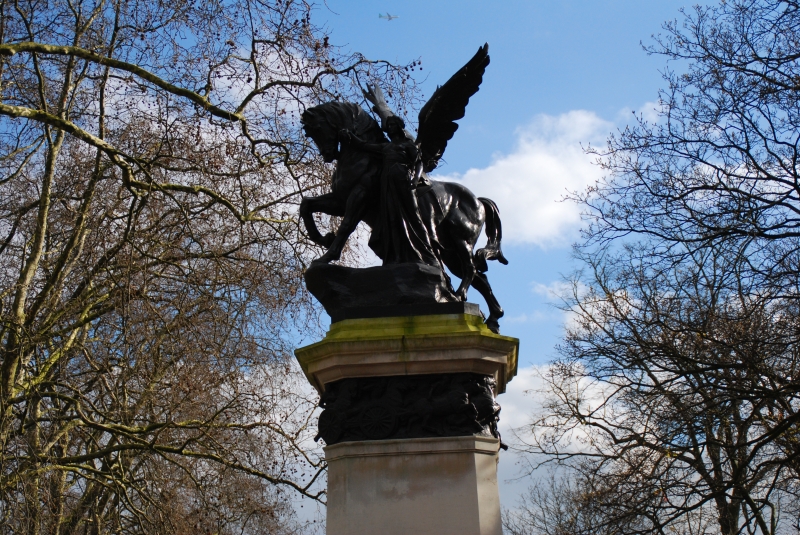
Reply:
x=562, y=74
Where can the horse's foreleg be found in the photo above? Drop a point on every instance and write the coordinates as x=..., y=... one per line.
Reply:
x=481, y=283
x=353, y=212
x=325, y=204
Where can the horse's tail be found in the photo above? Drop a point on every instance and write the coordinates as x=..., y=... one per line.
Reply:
x=494, y=233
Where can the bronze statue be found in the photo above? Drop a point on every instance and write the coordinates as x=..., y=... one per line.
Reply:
x=384, y=183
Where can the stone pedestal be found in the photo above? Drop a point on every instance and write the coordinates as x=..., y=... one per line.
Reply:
x=417, y=486
x=410, y=422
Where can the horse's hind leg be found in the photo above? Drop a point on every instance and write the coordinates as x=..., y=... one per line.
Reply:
x=463, y=251
x=481, y=283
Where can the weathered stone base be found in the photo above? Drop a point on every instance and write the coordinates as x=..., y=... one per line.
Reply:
x=436, y=486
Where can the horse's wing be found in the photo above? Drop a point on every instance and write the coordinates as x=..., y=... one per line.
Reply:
x=437, y=119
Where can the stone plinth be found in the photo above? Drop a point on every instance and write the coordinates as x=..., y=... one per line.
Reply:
x=411, y=420
x=411, y=345
x=436, y=486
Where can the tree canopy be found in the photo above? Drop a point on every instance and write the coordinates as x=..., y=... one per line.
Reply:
x=675, y=404
x=151, y=162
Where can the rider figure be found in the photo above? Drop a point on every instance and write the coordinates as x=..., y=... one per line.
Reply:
x=399, y=235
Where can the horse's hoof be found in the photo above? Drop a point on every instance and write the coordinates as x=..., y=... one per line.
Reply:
x=493, y=325
x=327, y=240
x=461, y=293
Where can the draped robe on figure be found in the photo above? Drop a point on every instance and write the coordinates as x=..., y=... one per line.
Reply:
x=399, y=235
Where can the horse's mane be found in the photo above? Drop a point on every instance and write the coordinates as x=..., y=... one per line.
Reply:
x=337, y=115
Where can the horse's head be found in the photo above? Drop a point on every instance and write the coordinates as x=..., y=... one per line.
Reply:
x=322, y=124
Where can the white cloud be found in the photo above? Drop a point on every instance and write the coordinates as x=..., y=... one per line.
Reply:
x=554, y=291
x=529, y=183
x=650, y=112
x=559, y=293
x=534, y=317
x=520, y=399
x=527, y=398
x=523, y=398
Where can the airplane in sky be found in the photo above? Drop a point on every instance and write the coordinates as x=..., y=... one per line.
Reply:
x=387, y=16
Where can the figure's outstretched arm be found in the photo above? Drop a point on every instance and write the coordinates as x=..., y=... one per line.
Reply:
x=348, y=137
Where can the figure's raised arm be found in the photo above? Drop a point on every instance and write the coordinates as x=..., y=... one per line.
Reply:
x=379, y=105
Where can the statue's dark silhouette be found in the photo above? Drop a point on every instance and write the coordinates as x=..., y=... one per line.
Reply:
x=384, y=183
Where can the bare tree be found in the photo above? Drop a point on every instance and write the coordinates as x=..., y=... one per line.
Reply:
x=576, y=502
x=151, y=162
x=719, y=166
x=563, y=503
x=676, y=387
x=675, y=403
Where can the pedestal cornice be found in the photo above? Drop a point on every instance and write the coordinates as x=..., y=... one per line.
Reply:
x=409, y=345
x=413, y=446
